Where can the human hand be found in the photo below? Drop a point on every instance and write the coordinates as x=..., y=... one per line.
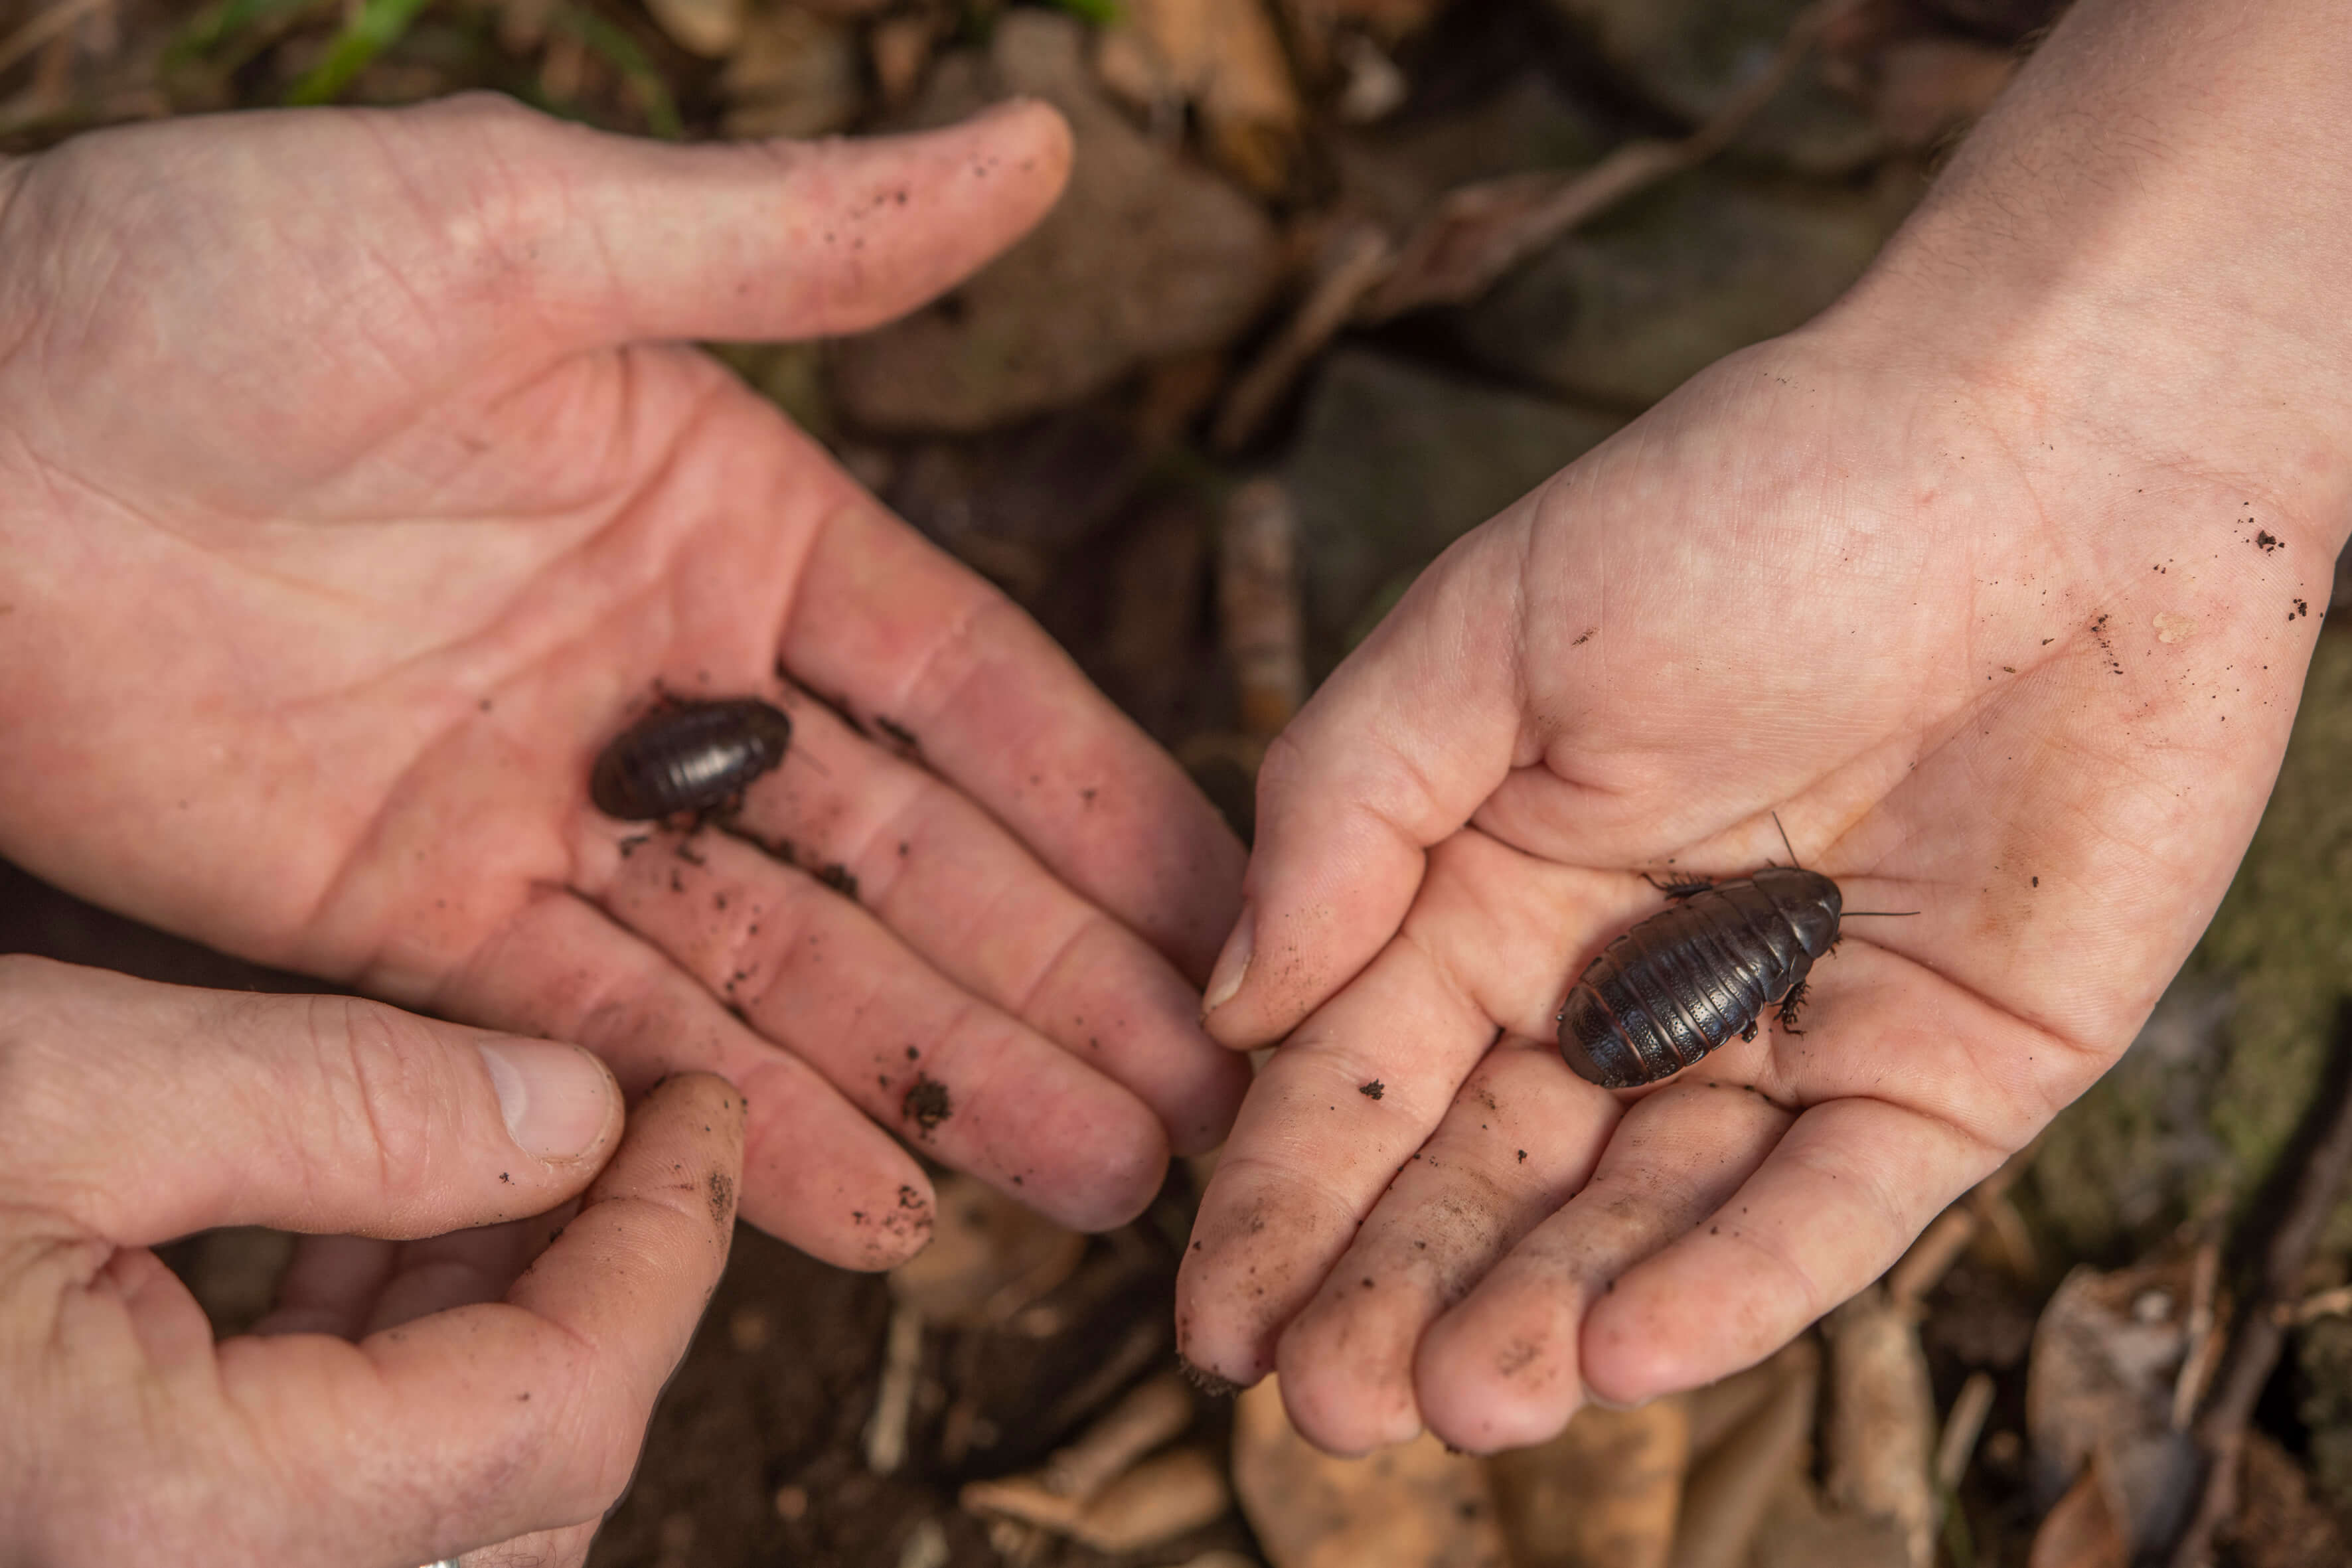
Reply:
x=436, y=1389
x=353, y=492
x=1997, y=597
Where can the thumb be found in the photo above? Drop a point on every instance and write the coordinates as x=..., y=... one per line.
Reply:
x=1394, y=752
x=755, y=239
x=145, y=1111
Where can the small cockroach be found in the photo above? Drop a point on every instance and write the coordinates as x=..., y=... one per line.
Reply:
x=689, y=756
x=1685, y=981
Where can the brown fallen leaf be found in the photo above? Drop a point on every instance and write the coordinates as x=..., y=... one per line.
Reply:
x=1603, y=1494
x=1734, y=1478
x=2083, y=1531
x=1223, y=57
x=2100, y=1382
x=989, y=1257
x=1882, y=1421
x=1411, y=1506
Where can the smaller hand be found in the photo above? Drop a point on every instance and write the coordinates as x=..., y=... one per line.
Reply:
x=469, y=1377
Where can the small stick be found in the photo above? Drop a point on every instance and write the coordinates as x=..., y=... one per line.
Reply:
x=43, y=28
x=902, y=1358
x=1962, y=1427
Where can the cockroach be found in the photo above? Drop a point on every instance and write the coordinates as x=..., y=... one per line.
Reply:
x=689, y=756
x=1682, y=981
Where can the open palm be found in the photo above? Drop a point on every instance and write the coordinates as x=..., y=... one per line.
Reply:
x=355, y=488
x=2023, y=676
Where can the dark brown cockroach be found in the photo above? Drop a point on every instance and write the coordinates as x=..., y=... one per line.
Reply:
x=1685, y=981
x=689, y=756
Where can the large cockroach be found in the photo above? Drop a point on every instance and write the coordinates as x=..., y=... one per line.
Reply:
x=1685, y=981
x=689, y=756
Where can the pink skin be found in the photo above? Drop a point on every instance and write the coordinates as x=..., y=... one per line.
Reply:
x=355, y=490
x=1964, y=581
x=415, y=1395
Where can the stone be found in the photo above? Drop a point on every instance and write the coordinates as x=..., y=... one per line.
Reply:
x=1147, y=257
x=1626, y=310
x=1392, y=463
x=1692, y=57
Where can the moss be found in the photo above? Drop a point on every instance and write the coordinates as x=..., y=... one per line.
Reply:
x=2284, y=933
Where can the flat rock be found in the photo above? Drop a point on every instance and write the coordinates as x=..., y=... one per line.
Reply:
x=1149, y=255
x=1392, y=463
x=1627, y=310
x=1691, y=56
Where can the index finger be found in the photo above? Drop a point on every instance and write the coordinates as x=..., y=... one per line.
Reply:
x=490, y=1422
x=921, y=653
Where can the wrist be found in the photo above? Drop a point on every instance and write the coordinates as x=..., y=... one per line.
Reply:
x=2145, y=252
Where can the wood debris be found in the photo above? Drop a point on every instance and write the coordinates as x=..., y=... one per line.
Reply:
x=1257, y=591
x=1882, y=1421
x=1605, y=1493
x=1413, y=1506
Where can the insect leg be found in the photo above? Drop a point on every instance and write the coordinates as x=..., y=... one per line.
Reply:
x=1789, y=1006
x=1681, y=886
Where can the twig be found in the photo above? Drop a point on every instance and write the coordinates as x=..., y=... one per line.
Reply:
x=2201, y=1330
x=1481, y=231
x=1359, y=258
x=2312, y=1183
x=1257, y=593
x=40, y=29
x=902, y=1358
x=1962, y=1427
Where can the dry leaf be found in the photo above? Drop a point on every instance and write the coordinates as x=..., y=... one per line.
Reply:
x=1733, y=1480
x=989, y=1257
x=1881, y=1422
x=2099, y=1387
x=2082, y=1531
x=1223, y=57
x=1603, y=1494
x=1411, y=1506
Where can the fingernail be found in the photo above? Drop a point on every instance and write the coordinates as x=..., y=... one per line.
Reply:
x=1233, y=964
x=556, y=1098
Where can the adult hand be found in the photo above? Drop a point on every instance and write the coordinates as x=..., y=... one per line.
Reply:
x=406, y=1402
x=353, y=492
x=1994, y=584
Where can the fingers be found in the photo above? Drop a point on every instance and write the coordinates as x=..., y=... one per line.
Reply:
x=817, y=1172
x=495, y=1421
x=1520, y=1138
x=149, y=1111
x=1852, y=1184
x=1487, y=951
x=631, y=239
x=813, y=971
x=962, y=894
x=920, y=650
x=1391, y=755
x=1502, y=1370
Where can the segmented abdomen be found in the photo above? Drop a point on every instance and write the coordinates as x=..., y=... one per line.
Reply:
x=1679, y=984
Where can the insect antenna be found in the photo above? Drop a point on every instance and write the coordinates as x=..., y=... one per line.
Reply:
x=1883, y=914
x=1792, y=848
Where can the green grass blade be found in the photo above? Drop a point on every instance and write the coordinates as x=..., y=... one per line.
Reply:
x=374, y=28
x=620, y=51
